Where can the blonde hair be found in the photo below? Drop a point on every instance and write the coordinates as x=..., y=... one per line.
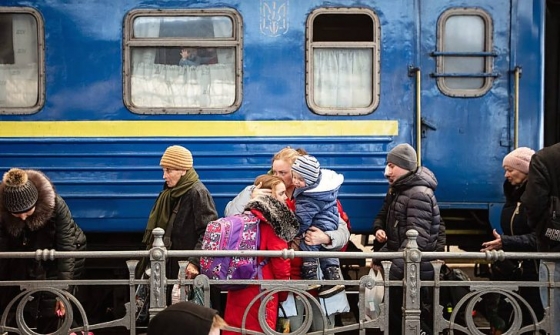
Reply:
x=268, y=182
x=218, y=322
x=287, y=154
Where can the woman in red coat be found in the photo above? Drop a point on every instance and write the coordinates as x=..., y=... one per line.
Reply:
x=278, y=225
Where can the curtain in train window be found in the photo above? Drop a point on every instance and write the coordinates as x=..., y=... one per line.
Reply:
x=187, y=76
x=19, y=65
x=344, y=61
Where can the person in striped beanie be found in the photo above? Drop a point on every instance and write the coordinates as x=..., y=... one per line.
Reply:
x=315, y=197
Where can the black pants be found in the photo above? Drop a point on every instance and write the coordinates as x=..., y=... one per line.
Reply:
x=396, y=305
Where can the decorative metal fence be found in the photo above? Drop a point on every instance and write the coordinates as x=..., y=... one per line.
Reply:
x=458, y=319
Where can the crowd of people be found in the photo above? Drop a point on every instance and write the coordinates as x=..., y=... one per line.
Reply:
x=297, y=205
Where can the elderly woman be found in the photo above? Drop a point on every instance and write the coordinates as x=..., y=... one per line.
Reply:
x=182, y=209
x=517, y=236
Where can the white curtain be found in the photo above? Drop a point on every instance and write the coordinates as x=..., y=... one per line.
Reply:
x=159, y=85
x=342, y=77
x=19, y=82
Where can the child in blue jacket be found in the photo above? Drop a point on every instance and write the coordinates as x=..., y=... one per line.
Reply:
x=315, y=197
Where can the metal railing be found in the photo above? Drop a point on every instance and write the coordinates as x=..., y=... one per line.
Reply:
x=460, y=320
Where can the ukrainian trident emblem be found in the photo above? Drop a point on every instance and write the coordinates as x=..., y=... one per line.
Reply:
x=274, y=17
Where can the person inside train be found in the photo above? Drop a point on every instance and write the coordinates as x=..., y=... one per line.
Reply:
x=315, y=198
x=195, y=57
x=183, y=209
x=410, y=203
x=541, y=200
x=33, y=216
x=186, y=318
x=517, y=236
x=278, y=226
x=189, y=57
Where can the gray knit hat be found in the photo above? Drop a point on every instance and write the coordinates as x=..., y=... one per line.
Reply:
x=308, y=167
x=19, y=194
x=403, y=156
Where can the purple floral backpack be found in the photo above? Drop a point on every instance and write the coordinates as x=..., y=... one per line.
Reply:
x=237, y=232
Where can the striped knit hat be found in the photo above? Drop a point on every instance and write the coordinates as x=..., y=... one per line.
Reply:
x=19, y=194
x=177, y=157
x=519, y=159
x=308, y=167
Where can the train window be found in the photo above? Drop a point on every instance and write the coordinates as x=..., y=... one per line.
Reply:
x=342, y=73
x=182, y=61
x=464, y=55
x=21, y=61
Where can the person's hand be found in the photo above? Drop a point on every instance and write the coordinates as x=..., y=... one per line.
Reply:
x=315, y=236
x=192, y=271
x=258, y=191
x=376, y=267
x=493, y=245
x=60, y=308
x=381, y=236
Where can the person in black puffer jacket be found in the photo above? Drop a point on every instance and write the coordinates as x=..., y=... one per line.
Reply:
x=541, y=200
x=33, y=216
x=409, y=204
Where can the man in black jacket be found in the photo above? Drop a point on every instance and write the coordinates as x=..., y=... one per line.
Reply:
x=541, y=194
x=409, y=204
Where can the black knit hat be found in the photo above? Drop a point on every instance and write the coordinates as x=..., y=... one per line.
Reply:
x=182, y=318
x=403, y=156
x=19, y=194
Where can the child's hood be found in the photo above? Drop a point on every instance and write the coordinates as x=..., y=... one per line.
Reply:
x=330, y=180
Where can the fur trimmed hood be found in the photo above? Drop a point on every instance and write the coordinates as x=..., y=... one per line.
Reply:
x=277, y=214
x=44, y=208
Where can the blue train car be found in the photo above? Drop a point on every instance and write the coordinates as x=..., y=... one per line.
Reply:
x=93, y=92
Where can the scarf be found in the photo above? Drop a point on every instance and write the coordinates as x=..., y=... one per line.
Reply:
x=161, y=212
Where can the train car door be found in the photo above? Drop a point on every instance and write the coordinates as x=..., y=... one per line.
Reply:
x=464, y=63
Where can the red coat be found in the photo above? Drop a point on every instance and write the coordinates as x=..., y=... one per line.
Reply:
x=276, y=268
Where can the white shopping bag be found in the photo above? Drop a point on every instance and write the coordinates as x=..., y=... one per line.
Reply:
x=374, y=296
x=336, y=304
x=289, y=306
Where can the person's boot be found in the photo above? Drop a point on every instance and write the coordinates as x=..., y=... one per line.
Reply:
x=331, y=273
x=309, y=272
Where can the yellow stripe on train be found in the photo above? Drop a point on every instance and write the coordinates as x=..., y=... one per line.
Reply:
x=197, y=128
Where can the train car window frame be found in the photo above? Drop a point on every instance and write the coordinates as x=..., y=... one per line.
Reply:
x=229, y=46
x=30, y=69
x=486, y=55
x=372, y=47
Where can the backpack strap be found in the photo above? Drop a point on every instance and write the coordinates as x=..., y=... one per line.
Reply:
x=167, y=235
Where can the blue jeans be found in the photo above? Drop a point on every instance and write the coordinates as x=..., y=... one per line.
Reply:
x=543, y=277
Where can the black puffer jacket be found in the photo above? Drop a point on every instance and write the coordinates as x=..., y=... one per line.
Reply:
x=51, y=226
x=517, y=235
x=542, y=183
x=411, y=204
